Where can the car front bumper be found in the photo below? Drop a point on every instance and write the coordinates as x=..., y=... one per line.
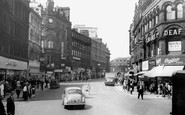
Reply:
x=109, y=83
x=74, y=103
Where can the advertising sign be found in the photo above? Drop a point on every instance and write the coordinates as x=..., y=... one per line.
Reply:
x=174, y=46
x=145, y=65
x=179, y=60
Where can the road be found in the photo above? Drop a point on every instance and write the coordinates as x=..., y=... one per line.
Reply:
x=101, y=100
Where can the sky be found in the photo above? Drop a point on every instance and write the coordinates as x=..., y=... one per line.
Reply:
x=111, y=17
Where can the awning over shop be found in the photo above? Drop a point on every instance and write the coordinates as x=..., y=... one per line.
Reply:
x=169, y=70
x=127, y=74
x=140, y=73
x=154, y=72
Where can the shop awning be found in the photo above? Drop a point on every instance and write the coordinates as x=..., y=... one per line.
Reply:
x=140, y=73
x=169, y=70
x=154, y=72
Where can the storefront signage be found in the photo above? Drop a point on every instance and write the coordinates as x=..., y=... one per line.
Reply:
x=76, y=58
x=174, y=46
x=7, y=63
x=172, y=31
x=145, y=65
x=171, y=61
x=11, y=63
x=152, y=37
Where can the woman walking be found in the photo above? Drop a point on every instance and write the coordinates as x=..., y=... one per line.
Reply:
x=18, y=88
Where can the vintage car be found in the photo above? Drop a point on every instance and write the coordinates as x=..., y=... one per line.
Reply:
x=54, y=84
x=110, y=79
x=73, y=96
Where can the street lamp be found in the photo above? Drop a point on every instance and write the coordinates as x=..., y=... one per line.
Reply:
x=98, y=69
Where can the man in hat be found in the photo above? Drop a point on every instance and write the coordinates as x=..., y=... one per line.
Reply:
x=2, y=110
x=10, y=104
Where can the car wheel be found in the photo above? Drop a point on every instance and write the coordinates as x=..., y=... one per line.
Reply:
x=65, y=106
x=82, y=106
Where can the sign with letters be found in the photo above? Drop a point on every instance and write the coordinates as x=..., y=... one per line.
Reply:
x=172, y=31
x=178, y=60
x=174, y=46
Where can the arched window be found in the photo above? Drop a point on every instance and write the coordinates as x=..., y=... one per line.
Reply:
x=156, y=19
x=169, y=13
x=179, y=11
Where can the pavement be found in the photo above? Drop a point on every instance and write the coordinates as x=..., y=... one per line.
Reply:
x=147, y=95
x=37, y=91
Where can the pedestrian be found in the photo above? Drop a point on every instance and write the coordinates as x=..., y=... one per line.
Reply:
x=42, y=84
x=2, y=89
x=131, y=86
x=10, y=104
x=164, y=89
x=25, y=91
x=140, y=89
x=2, y=110
x=18, y=88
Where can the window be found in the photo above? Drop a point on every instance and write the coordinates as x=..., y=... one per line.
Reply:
x=50, y=44
x=179, y=11
x=156, y=19
x=169, y=13
x=150, y=24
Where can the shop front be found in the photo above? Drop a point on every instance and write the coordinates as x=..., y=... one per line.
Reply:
x=12, y=69
x=171, y=64
x=34, y=69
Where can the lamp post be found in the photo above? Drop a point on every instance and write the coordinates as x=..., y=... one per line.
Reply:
x=98, y=69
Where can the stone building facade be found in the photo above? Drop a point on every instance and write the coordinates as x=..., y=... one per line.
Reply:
x=121, y=65
x=14, y=27
x=34, y=45
x=157, y=34
x=100, y=54
x=81, y=54
x=56, y=36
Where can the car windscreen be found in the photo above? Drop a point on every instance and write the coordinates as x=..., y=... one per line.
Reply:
x=74, y=91
x=110, y=78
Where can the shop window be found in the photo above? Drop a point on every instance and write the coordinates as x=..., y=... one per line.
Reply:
x=170, y=14
x=179, y=11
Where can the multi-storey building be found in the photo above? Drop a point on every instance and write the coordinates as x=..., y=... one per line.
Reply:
x=100, y=57
x=87, y=31
x=56, y=39
x=121, y=65
x=157, y=35
x=14, y=25
x=81, y=53
x=34, y=46
x=100, y=54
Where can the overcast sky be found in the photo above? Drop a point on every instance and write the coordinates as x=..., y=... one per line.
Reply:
x=111, y=17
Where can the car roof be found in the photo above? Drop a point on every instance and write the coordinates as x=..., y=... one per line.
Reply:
x=110, y=75
x=68, y=88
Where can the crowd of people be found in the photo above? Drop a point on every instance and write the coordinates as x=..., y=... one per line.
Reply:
x=160, y=88
x=22, y=86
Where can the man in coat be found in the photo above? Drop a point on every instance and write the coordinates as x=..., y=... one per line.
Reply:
x=2, y=110
x=10, y=104
x=140, y=89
